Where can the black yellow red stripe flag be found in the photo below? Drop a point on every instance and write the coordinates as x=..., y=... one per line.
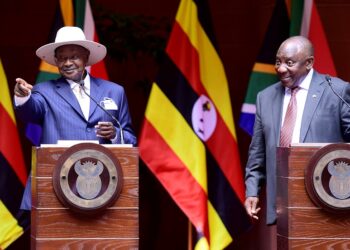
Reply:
x=13, y=173
x=188, y=138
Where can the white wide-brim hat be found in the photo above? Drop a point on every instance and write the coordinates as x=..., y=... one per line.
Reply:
x=69, y=35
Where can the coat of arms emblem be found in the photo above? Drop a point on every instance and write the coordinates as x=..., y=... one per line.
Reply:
x=87, y=178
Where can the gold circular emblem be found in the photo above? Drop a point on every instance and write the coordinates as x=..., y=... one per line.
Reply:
x=327, y=178
x=87, y=178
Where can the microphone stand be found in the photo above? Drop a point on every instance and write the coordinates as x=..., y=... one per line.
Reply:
x=329, y=80
x=81, y=84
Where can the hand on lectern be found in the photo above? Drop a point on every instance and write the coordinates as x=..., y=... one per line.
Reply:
x=105, y=130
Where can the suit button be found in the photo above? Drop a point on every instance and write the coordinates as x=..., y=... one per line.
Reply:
x=88, y=129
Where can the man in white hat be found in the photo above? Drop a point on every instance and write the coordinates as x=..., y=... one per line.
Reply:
x=76, y=106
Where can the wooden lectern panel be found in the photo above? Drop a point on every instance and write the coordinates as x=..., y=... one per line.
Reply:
x=300, y=223
x=56, y=227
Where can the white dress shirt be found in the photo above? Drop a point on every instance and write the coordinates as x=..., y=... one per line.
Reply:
x=301, y=100
x=82, y=98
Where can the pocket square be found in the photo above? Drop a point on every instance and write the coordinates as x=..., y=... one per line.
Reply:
x=109, y=104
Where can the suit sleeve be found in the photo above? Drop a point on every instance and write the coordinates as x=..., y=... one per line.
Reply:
x=345, y=113
x=33, y=110
x=125, y=122
x=255, y=169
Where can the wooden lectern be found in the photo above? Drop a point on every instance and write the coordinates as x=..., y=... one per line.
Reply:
x=300, y=223
x=54, y=226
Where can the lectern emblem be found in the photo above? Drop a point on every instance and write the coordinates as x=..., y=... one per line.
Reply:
x=339, y=184
x=327, y=178
x=88, y=182
x=87, y=178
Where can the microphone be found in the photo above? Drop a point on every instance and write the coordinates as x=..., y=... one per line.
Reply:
x=81, y=84
x=329, y=80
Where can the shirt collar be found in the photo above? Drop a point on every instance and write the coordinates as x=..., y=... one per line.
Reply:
x=305, y=83
x=86, y=82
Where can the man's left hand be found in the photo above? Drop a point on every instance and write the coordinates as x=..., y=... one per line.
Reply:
x=105, y=130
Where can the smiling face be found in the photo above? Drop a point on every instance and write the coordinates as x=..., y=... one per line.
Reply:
x=294, y=60
x=71, y=61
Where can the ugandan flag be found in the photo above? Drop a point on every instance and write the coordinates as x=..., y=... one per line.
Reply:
x=188, y=138
x=263, y=73
x=69, y=13
x=13, y=172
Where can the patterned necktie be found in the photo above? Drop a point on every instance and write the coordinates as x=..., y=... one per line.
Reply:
x=78, y=92
x=289, y=120
x=82, y=99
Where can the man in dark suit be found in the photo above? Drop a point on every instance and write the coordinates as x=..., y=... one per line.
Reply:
x=63, y=108
x=320, y=117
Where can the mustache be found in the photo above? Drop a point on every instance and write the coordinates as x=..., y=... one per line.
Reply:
x=70, y=68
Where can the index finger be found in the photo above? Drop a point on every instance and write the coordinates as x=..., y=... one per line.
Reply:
x=23, y=85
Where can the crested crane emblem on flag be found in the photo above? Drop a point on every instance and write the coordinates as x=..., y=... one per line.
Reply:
x=189, y=110
x=204, y=117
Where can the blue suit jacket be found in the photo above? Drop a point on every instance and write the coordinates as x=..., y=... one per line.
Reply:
x=325, y=119
x=55, y=108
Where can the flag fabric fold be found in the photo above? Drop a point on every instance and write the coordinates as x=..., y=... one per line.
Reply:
x=85, y=20
x=188, y=138
x=13, y=173
x=10, y=230
x=311, y=27
x=263, y=73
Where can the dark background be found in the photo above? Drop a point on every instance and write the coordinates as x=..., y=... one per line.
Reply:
x=142, y=28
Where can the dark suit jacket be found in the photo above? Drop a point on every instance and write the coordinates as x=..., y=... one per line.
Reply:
x=325, y=119
x=55, y=108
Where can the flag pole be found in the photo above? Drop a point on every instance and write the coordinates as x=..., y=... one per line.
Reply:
x=190, y=245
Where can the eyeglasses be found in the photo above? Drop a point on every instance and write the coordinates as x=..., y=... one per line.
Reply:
x=61, y=59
